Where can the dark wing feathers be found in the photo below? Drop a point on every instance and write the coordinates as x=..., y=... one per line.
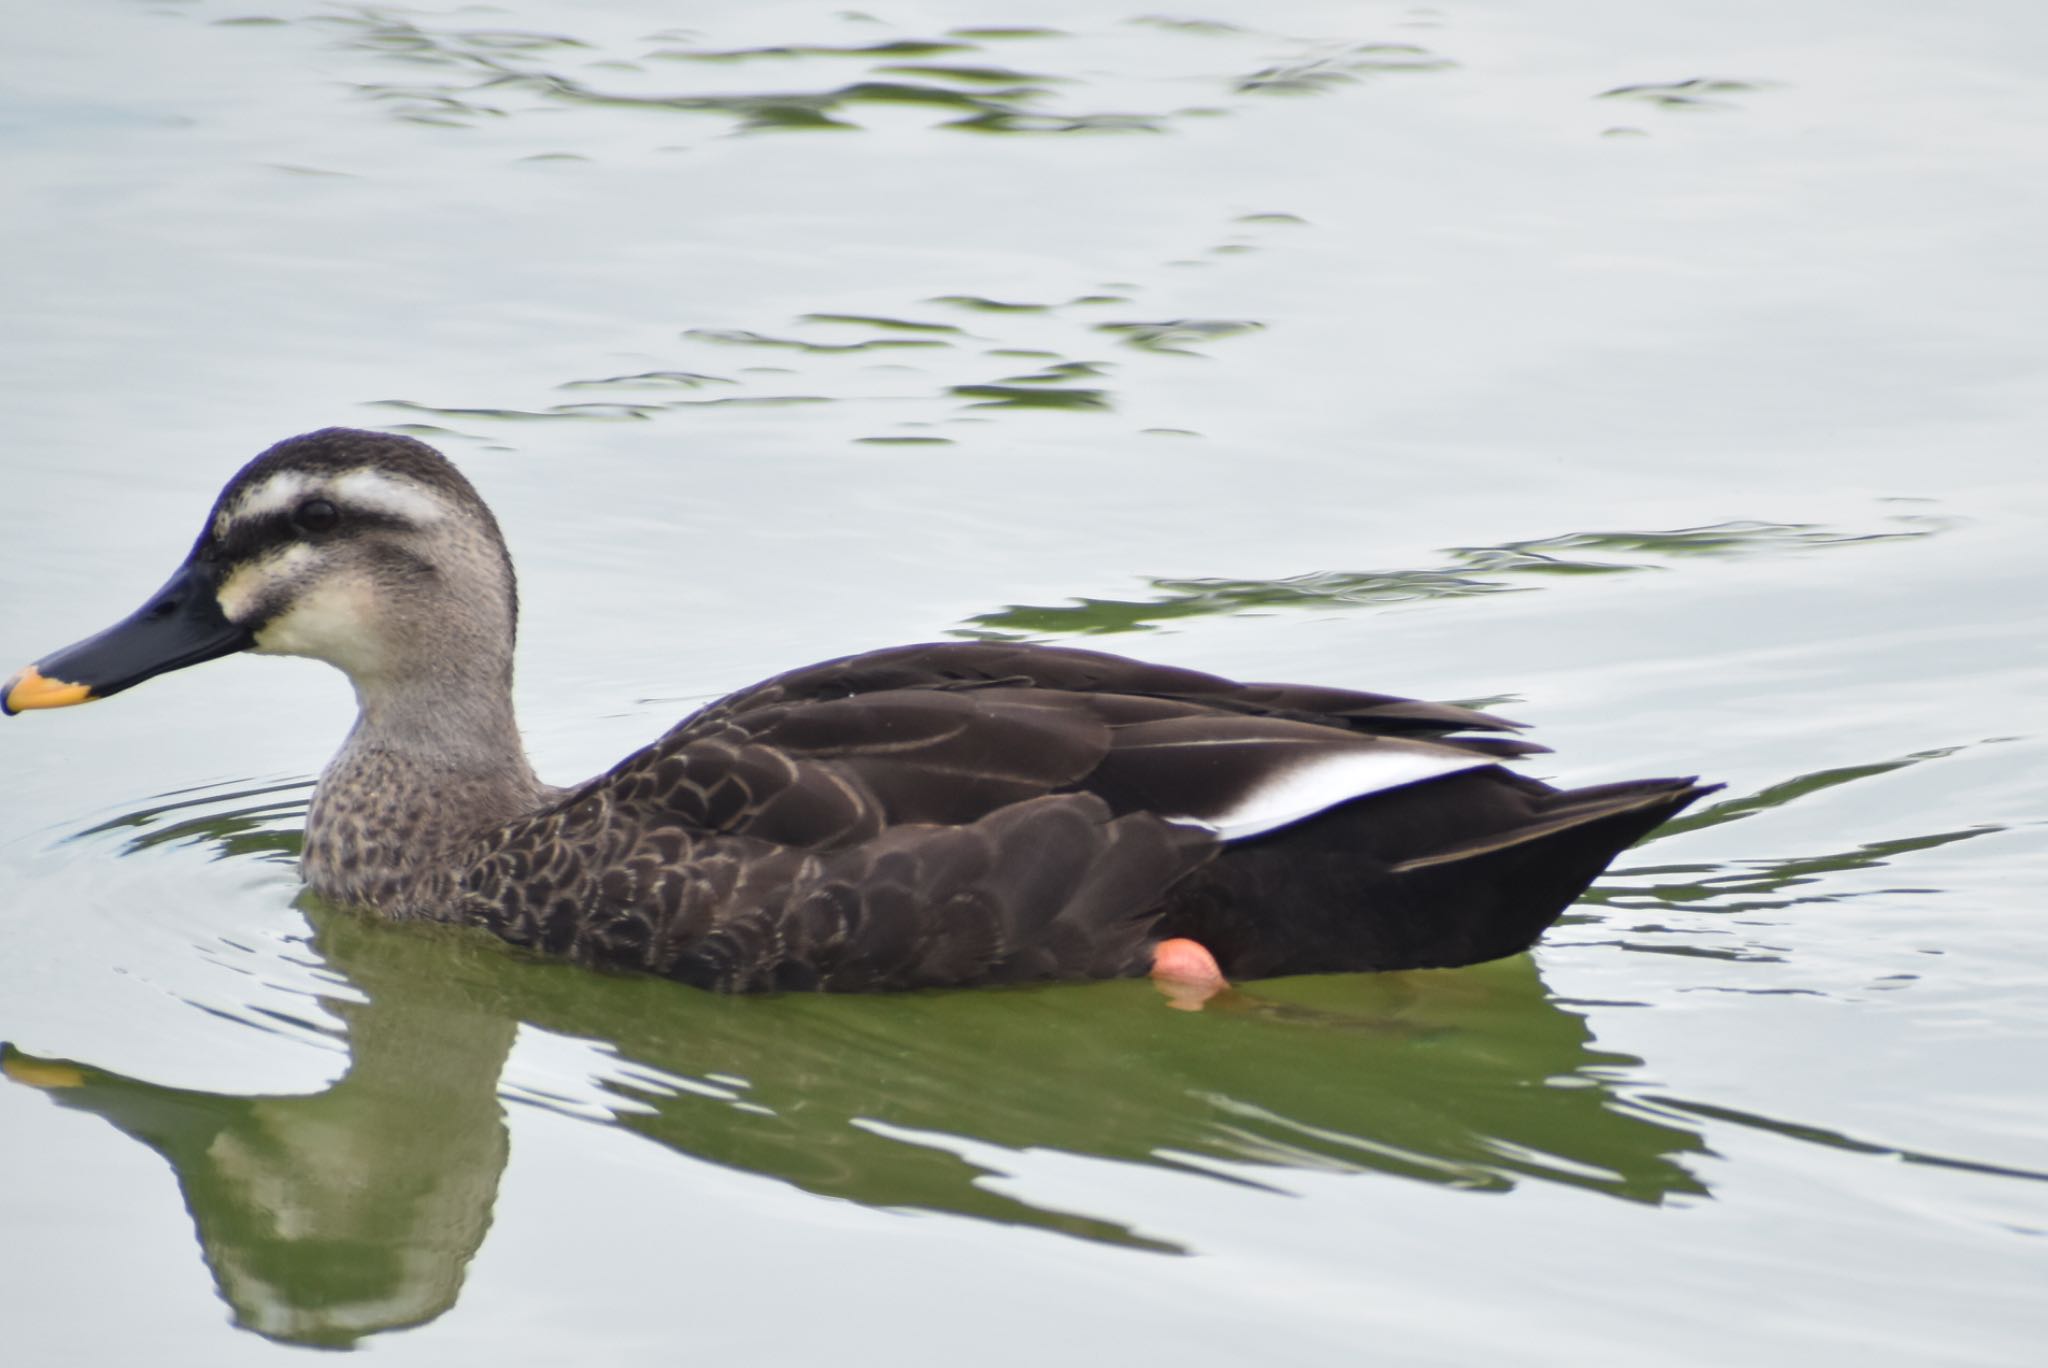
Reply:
x=727, y=782
x=946, y=732
x=974, y=812
x=935, y=756
x=966, y=666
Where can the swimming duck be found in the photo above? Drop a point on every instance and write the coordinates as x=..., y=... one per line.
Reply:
x=954, y=813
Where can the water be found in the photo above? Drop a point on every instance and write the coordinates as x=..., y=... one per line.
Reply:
x=1669, y=379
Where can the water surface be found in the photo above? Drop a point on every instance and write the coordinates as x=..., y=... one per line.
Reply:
x=1670, y=379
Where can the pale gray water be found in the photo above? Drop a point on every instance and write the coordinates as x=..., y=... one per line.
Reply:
x=1383, y=295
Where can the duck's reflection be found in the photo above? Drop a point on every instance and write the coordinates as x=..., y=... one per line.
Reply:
x=330, y=1216
x=333, y=1215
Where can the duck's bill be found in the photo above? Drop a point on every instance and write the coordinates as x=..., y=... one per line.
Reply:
x=180, y=625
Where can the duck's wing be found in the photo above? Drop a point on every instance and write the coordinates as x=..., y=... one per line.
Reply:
x=969, y=665
x=949, y=733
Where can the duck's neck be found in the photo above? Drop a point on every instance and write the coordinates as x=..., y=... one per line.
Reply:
x=425, y=771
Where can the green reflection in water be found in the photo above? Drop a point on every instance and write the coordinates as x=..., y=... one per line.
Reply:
x=1062, y=383
x=1174, y=24
x=357, y=1209
x=1319, y=75
x=460, y=76
x=1698, y=94
x=1009, y=32
x=1033, y=395
x=875, y=321
x=231, y=824
x=906, y=48
x=587, y=412
x=979, y=304
x=1471, y=571
x=1174, y=338
x=557, y=412
x=1747, y=888
x=330, y=1216
x=740, y=337
x=969, y=75
x=660, y=380
x=492, y=74
x=452, y=75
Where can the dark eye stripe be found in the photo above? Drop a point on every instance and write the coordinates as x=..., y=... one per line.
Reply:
x=248, y=538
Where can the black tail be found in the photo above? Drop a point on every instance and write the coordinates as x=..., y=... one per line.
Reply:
x=1457, y=870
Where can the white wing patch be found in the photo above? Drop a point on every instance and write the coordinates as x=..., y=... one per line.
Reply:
x=1328, y=778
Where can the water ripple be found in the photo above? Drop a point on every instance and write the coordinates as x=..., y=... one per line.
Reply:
x=1470, y=571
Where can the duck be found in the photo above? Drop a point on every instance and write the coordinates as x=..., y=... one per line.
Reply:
x=949, y=814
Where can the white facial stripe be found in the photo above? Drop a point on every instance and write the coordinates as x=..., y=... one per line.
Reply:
x=1330, y=778
x=372, y=490
x=243, y=591
x=382, y=493
x=274, y=495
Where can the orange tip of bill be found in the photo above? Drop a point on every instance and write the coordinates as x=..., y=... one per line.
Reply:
x=31, y=689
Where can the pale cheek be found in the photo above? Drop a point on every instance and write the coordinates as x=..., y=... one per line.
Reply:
x=241, y=594
x=237, y=596
x=331, y=624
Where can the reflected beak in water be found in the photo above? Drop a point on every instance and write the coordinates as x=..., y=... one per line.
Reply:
x=181, y=624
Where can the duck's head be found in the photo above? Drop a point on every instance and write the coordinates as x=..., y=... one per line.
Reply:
x=366, y=550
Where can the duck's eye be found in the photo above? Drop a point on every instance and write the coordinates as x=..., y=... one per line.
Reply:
x=316, y=515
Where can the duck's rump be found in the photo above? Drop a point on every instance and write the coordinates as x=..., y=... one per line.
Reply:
x=1452, y=871
x=972, y=813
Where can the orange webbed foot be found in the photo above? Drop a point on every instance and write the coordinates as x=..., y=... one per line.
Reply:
x=1187, y=973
